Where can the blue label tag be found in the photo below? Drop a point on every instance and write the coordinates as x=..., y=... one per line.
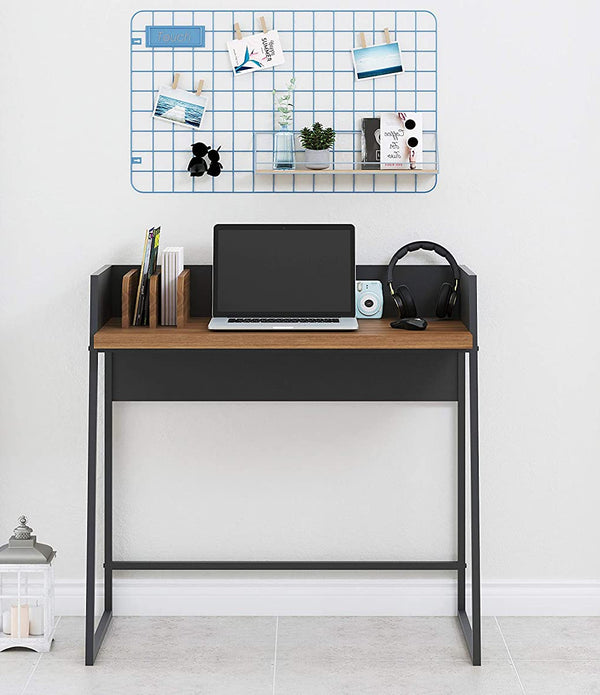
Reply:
x=174, y=37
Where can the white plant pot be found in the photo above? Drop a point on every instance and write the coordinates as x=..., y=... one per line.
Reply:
x=317, y=159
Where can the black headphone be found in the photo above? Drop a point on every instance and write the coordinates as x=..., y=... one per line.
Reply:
x=402, y=295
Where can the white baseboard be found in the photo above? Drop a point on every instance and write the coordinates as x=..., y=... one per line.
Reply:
x=330, y=597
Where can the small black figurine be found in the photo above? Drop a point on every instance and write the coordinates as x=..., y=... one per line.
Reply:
x=215, y=165
x=198, y=165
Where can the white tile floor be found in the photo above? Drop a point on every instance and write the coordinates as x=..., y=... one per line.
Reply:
x=313, y=656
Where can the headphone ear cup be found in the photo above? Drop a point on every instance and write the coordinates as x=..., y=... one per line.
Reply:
x=443, y=308
x=409, y=308
x=398, y=304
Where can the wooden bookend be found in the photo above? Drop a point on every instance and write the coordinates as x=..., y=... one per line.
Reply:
x=183, y=298
x=154, y=300
x=129, y=289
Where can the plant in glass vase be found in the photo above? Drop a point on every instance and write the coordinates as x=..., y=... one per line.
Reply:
x=284, y=147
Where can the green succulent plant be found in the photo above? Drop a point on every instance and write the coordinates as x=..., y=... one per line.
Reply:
x=317, y=138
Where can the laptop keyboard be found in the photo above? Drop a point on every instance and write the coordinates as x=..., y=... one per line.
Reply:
x=283, y=321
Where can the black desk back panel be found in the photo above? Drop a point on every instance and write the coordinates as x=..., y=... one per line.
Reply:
x=424, y=281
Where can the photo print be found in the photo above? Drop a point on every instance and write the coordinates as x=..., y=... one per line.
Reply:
x=377, y=61
x=256, y=52
x=180, y=107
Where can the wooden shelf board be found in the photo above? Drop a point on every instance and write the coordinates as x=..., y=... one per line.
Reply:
x=373, y=334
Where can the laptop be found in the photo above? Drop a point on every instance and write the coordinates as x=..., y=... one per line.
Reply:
x=291, y=277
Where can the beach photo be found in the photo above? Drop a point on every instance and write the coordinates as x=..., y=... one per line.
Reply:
x=180, y=107
x=377, y=61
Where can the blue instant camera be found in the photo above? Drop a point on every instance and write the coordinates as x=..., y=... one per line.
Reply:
x=369, y=299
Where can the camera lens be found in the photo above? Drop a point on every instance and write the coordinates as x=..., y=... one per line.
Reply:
x=410, y=124
x=369, y=304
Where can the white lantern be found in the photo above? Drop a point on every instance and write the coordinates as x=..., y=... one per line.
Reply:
x=26, y=591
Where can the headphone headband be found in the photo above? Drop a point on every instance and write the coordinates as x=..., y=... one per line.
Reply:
x=426, y=246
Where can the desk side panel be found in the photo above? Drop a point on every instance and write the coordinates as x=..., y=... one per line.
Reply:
x=284, y=375
x=100, y=299
x=467, y=311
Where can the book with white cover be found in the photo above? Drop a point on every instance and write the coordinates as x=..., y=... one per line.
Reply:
x=401, y=140
x=172, y=266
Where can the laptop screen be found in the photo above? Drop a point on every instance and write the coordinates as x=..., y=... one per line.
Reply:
x=283, y=270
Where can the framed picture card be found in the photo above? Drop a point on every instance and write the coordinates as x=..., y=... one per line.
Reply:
x=401, y=140
x=180, y=107
x=380, y=60
x=256, y=52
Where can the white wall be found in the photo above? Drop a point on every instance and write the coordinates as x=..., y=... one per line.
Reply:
x=515, y=201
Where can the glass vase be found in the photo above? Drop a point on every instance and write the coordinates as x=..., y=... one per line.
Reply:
x=284, y=151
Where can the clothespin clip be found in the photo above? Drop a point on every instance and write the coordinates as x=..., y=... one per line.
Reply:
x=263, y=24
x=238, y=33
x=386, y=33
x=175, y=80
x=199, y=88
x=363, y=41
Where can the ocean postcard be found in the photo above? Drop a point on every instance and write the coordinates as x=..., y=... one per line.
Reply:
x=377, y=61
x=180, y=107
x=256, y=52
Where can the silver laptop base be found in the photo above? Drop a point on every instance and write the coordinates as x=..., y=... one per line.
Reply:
x=223, y=323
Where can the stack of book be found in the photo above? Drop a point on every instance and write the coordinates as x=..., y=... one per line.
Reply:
x=172, y=267
x=147, y=268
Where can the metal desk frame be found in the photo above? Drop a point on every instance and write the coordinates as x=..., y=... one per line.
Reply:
x=428, y=375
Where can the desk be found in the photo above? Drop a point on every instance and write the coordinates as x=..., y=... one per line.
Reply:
x=374, y=363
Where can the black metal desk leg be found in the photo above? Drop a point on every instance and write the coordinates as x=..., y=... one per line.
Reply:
x=475, y=551
x=93, y=638
x=471, y=628
x=91, y=508
x=108, y=445
x=461, y=510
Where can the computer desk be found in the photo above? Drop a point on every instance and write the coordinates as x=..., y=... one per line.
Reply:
x=375, y=363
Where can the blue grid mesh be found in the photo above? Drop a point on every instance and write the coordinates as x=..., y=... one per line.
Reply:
x=317, y=45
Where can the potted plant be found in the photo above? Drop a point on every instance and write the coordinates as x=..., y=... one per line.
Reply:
x=284, y=149
x=317, y=141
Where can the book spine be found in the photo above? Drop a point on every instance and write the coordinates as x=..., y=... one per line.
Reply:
x=139, y=289
x=178, y=271
x=369, y=144
x=163, y=310
x=144, y=279
x=151, y=271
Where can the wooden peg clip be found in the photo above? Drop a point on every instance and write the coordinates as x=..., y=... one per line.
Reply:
x=175, y=80
x=386, y=32
x=238, y=33
x=263, y=24
x=199, y=87
x=363, y=41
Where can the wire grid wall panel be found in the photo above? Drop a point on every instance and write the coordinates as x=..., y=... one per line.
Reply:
x=317, y=46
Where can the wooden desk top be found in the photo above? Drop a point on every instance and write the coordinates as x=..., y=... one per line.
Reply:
x=373, y=334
